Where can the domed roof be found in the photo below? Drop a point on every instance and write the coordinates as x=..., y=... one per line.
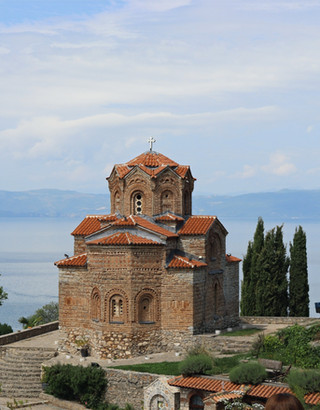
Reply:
x=152, y=159
x=153, y=163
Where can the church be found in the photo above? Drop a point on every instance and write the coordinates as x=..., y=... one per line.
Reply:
x=150, y=274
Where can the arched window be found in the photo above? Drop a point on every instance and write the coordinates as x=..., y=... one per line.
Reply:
x=196, y=403
x=116, y=309
x=138, y=203
x=158, y=402
x=95, y=305
x=146, y=309
x=166, y=201
x=215, y=250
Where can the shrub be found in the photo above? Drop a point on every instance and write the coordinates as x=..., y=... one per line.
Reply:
x=84, y=384
x=307, y=380
x=272, y=343
x=251, y=372
x=5, y=329
x=196, y=364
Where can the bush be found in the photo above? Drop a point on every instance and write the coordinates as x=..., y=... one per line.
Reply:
x=307, y=380
x=251, y=372
x=84, y=384
x=5, y=329
x=196, y=364
x=272, y=343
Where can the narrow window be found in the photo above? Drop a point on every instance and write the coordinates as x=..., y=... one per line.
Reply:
x=215, y=299
x=116, y=309
x=138, y=203
x=167, y=201
x=95, y=305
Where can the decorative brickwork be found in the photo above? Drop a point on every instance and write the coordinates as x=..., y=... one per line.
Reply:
x=149, y=275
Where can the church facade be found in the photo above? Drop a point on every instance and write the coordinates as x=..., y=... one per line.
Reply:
x=150, y=273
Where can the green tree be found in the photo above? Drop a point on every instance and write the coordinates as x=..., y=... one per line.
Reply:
x=272, y=268
x=250, y=273
x=3, y=295
x=46, y=314
x=299, y=285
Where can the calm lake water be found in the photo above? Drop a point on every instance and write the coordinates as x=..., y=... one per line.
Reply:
x=30, y=246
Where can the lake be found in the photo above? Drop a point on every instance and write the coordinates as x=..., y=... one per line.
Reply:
x=30, y=246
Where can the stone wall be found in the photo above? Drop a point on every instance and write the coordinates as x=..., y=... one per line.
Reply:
x=261, y=320
x=127, y=387
x=27, y=333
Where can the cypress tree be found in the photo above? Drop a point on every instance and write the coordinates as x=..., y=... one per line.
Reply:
x=250, y=274
x=272, y=267
x=246, y=304
x=299, y=285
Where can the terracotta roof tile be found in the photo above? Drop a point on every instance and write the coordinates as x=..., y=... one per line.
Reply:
x=197, y=225
x=123, y=238
x=182, y=170
x=217, y=397
x=77, y=260
x=152, y=159
x=91, y=224
x=203, y=383
x=153, y=227
x=184, y=262
x=122, y=170
x=263, y=390
x=126, y=221
x=169, y=218
x=230, y=258
x=108, y=218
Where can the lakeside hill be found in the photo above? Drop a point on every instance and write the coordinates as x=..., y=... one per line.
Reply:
x=284, y=205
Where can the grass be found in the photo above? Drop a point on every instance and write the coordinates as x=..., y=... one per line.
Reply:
x=221, y=365
x=243, y=332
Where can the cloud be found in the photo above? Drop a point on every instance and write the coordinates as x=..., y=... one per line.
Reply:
x=280, y=165
x=309, y=128
x=248, y=171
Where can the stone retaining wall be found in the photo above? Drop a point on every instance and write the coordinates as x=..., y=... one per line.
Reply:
x=27, y=333
x=127, y=387
x=261, y=320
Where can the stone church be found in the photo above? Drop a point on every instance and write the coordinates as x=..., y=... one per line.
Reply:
x=150, y=273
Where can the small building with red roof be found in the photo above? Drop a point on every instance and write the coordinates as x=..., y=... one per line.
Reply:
x=150, y=272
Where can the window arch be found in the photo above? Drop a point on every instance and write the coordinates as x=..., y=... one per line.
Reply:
x=137, y=203
x=196, y=403
x=166, y=201
x=215, y=249
x=116, y=309
x=146, y=306
x=95, y=311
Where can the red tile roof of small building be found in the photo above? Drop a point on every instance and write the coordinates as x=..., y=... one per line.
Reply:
x=169, y=218
x=197, y=225
x=123, y=238
x=217, y=397
x=262, y=390
x=183, y=262
x=230, y=258
x=77, y=260
x=91, y=224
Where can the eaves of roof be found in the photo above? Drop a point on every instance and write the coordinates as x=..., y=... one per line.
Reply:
x=123, y=238
x=197, y=225
x=73, y=261
x=92, y=223
x=183, y=262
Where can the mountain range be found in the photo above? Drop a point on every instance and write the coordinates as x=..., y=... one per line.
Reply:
x=283, y=205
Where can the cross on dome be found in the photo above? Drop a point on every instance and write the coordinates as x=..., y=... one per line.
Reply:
x=151, y=141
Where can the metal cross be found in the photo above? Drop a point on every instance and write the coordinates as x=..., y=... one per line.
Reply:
x=151, y=141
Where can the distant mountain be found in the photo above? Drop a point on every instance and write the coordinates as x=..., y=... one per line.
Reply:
x=283, y=205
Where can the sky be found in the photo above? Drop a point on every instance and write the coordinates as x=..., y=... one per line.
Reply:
x=230, y=88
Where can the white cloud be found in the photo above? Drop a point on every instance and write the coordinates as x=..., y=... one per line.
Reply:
x=310, y=128
x=280, y=165
x=248, y=171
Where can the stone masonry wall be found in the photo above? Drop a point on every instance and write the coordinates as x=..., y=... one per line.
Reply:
x=127, y=387
x=255, y=320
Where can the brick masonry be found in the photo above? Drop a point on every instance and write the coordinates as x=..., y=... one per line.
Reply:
x=126, y=300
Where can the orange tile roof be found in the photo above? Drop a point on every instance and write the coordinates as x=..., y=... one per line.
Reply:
x=122, y=170
x=153, y=227
x=184, y=262
x=152, y=159
x=91, y=224
x=126, y=221
x=217, y=397
x=230, y=258
x=182, y=170
x=203, y=383
x=77, y=260
x=123, y=238
x=169, y=218
x=263, y=390
x=197, y=225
